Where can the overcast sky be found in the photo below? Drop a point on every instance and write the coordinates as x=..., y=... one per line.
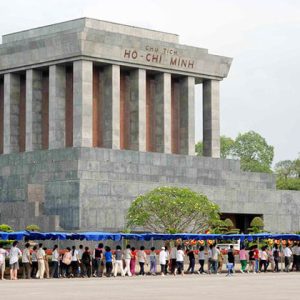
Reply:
x=262, y=90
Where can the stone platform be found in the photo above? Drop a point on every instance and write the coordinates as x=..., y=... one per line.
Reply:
x=92, y=188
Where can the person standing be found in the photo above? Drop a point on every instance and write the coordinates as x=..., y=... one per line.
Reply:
x=3, y=254
x=80, y=252
x=243, y=259
x=142, y=259
x=66, y=262
x=179, y=261
x=201, y=256
x=108, y=261
x=26, y=262
x=209, y=261
x=47, y=269
x=214, y=259
x=133, y=261
x=220, y=260
x=152, y=258
x=230, y=254
x=167, y=260
x=256, y=257
x=163, y=260
x=191, y=256
x=127, y=257
x=263, y=259
x=14, y=255
x=287, y=252
x=173, y=259
x=298, y=257
x=276, y=257
x=34, y=262
x=41, y=256
x=74, y=262
x=118, y=262
x=86, y=262
x=55, y=259
x=98, y=257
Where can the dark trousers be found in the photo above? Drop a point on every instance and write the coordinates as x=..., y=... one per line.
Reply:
x=263, y=263
x=191, y=268
x=26, y=270
x=34, y=269
x=163, y=269
x=54, y=271
x=109, y=267
x=287, y=262
x=74, y=266
x=201, y=262
x=98, y=267
x=179, y=266
x=173, y=265
x=65, y=269
x=276, y=260
x=86, y=269
x=142, y=271
x=297, y=262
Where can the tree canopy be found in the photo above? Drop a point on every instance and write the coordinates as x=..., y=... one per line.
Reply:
x=254, y=152
x=288, y=174
x=172, y=210
x=226, y=144
x=250, y=147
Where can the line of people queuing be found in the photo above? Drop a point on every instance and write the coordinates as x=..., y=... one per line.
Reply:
x=103, y=261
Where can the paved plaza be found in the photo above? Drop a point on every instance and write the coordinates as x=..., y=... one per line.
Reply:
x=240, y=286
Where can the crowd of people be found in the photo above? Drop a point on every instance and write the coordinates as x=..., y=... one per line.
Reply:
x=103, y=261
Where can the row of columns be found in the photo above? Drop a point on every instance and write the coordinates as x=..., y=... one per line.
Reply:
x=88, y=106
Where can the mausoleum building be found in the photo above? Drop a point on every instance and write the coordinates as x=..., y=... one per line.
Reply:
x=94, y=113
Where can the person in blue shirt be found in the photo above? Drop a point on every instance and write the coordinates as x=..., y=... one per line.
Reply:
x=108, y=261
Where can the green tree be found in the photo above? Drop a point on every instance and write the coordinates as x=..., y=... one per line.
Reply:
x=256, y=225
x=172, y=210
x=254, y=152
x=226, y=144
x=288, y=183
x=5, y=228
x=297, y=167
x=284, y=168
x=33, y=227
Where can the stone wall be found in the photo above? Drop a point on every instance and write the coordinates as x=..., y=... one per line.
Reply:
x=92, y=188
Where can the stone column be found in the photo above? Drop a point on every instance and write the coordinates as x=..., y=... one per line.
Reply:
x=111, y=107
x=163, y=113
x=167, y=112
x=33, y=110
x=187, y=116
x=11, y=113
x=57, y=95
x=211, y=119
x=138, y=101
x=83, y=104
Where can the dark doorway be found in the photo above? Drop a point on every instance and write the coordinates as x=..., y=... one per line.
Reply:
x=240, y=221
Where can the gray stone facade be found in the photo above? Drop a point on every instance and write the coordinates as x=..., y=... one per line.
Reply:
x=83, y=90
x=91, y=189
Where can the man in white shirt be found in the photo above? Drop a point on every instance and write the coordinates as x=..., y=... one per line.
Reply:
x=163, y=256
x=54, y=259
x=179, y=261
x=26, y=262
x=3, y=254
x=287, y=257
x=127, y=257
x=41, y=262
x=14, y=255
